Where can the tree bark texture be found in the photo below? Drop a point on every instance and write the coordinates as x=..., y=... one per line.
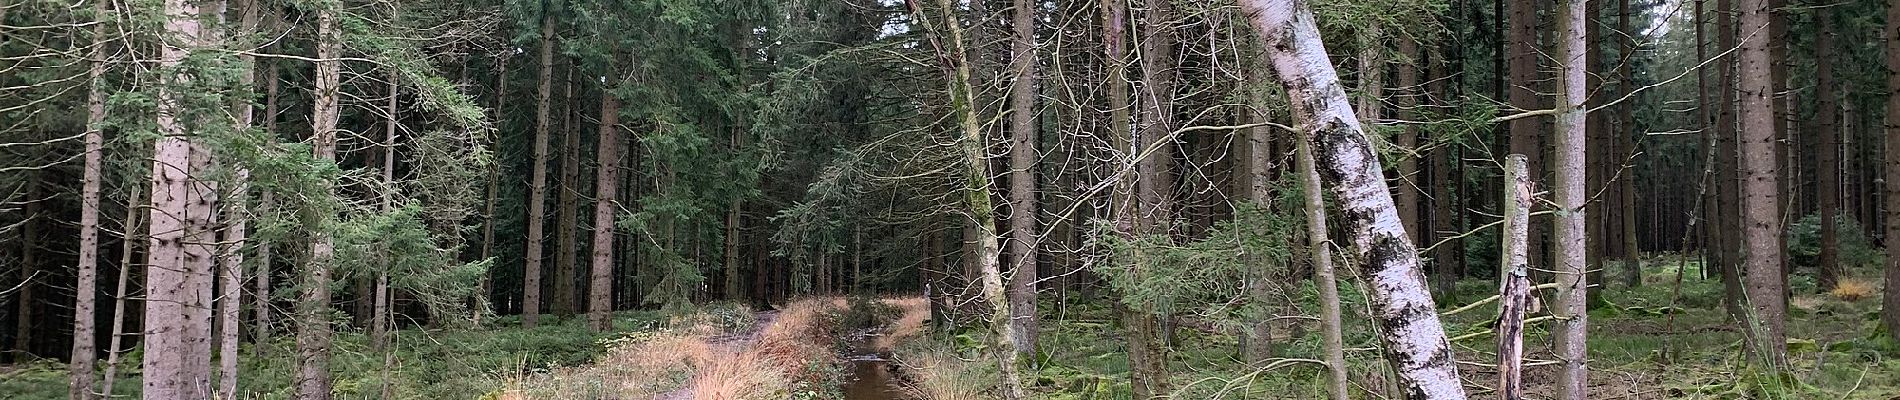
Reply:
x=313, y=308
x=1023, y=239
x=1761, y=217
x=599, y=304
x=1399, y=299
x=1570, y=192
x=1890, y=299
x=538, y=184
x=1321, y=255
x=1514, y=284
x=1827, y=162
x=85, y=291
x=178, y=308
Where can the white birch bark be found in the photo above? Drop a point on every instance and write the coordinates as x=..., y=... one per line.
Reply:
x=1414, y=338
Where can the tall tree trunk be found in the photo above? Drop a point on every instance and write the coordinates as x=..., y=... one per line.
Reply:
x=1446, y=262
x=567, y=203
x=1526, y=133
x=1257, y=342
x=128, y=242
x=85, y=338
x=1827, y=165
x=977, y=194
x=1632, y=253
x=1154, y=189
x=1890, y=299
x=1514, y=283
x=538, y=185
x=1727, y=222
x=25, y=301
x=606, y=189
x=236, y=229
x=1760, y=217
x=486, y=290
x=1371, y=42
x=262, y=277
x=379, y=325
x=1414, y=337
x=1568, y=224
x=1409, y=191
x=1597, y=152
x=1321, y=255
x=178, y=321
x=1022, y=180
x=313, y=309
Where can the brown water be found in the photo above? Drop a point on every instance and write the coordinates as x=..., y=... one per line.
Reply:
x=871, y=379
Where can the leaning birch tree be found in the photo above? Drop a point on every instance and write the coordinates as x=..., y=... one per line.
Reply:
x=954, y=58
x=1414, y=338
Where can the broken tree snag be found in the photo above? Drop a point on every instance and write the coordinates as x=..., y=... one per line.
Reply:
x=1414, y=338
x=1514, y=284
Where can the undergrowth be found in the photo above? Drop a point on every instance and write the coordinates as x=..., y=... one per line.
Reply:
x=455, y=364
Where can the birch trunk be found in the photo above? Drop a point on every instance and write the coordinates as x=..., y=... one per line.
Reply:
x=313, y=308
x=1414, y=338
x=977, y=194
x=607, y=188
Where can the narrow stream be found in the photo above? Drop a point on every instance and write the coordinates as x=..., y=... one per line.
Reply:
x=871, y=379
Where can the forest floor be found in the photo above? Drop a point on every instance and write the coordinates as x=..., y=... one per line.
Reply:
x=1662, y=340
x=1656, y=341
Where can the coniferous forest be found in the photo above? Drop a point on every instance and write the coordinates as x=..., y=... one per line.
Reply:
x=949, y=199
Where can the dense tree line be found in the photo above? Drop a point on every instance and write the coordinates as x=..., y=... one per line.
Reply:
x=185, y=173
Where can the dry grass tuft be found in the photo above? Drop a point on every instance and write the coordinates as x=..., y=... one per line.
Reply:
x=909, y=324
x=685, y=361
x=1852, y=290
x=739, y=377
x=938, y=376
